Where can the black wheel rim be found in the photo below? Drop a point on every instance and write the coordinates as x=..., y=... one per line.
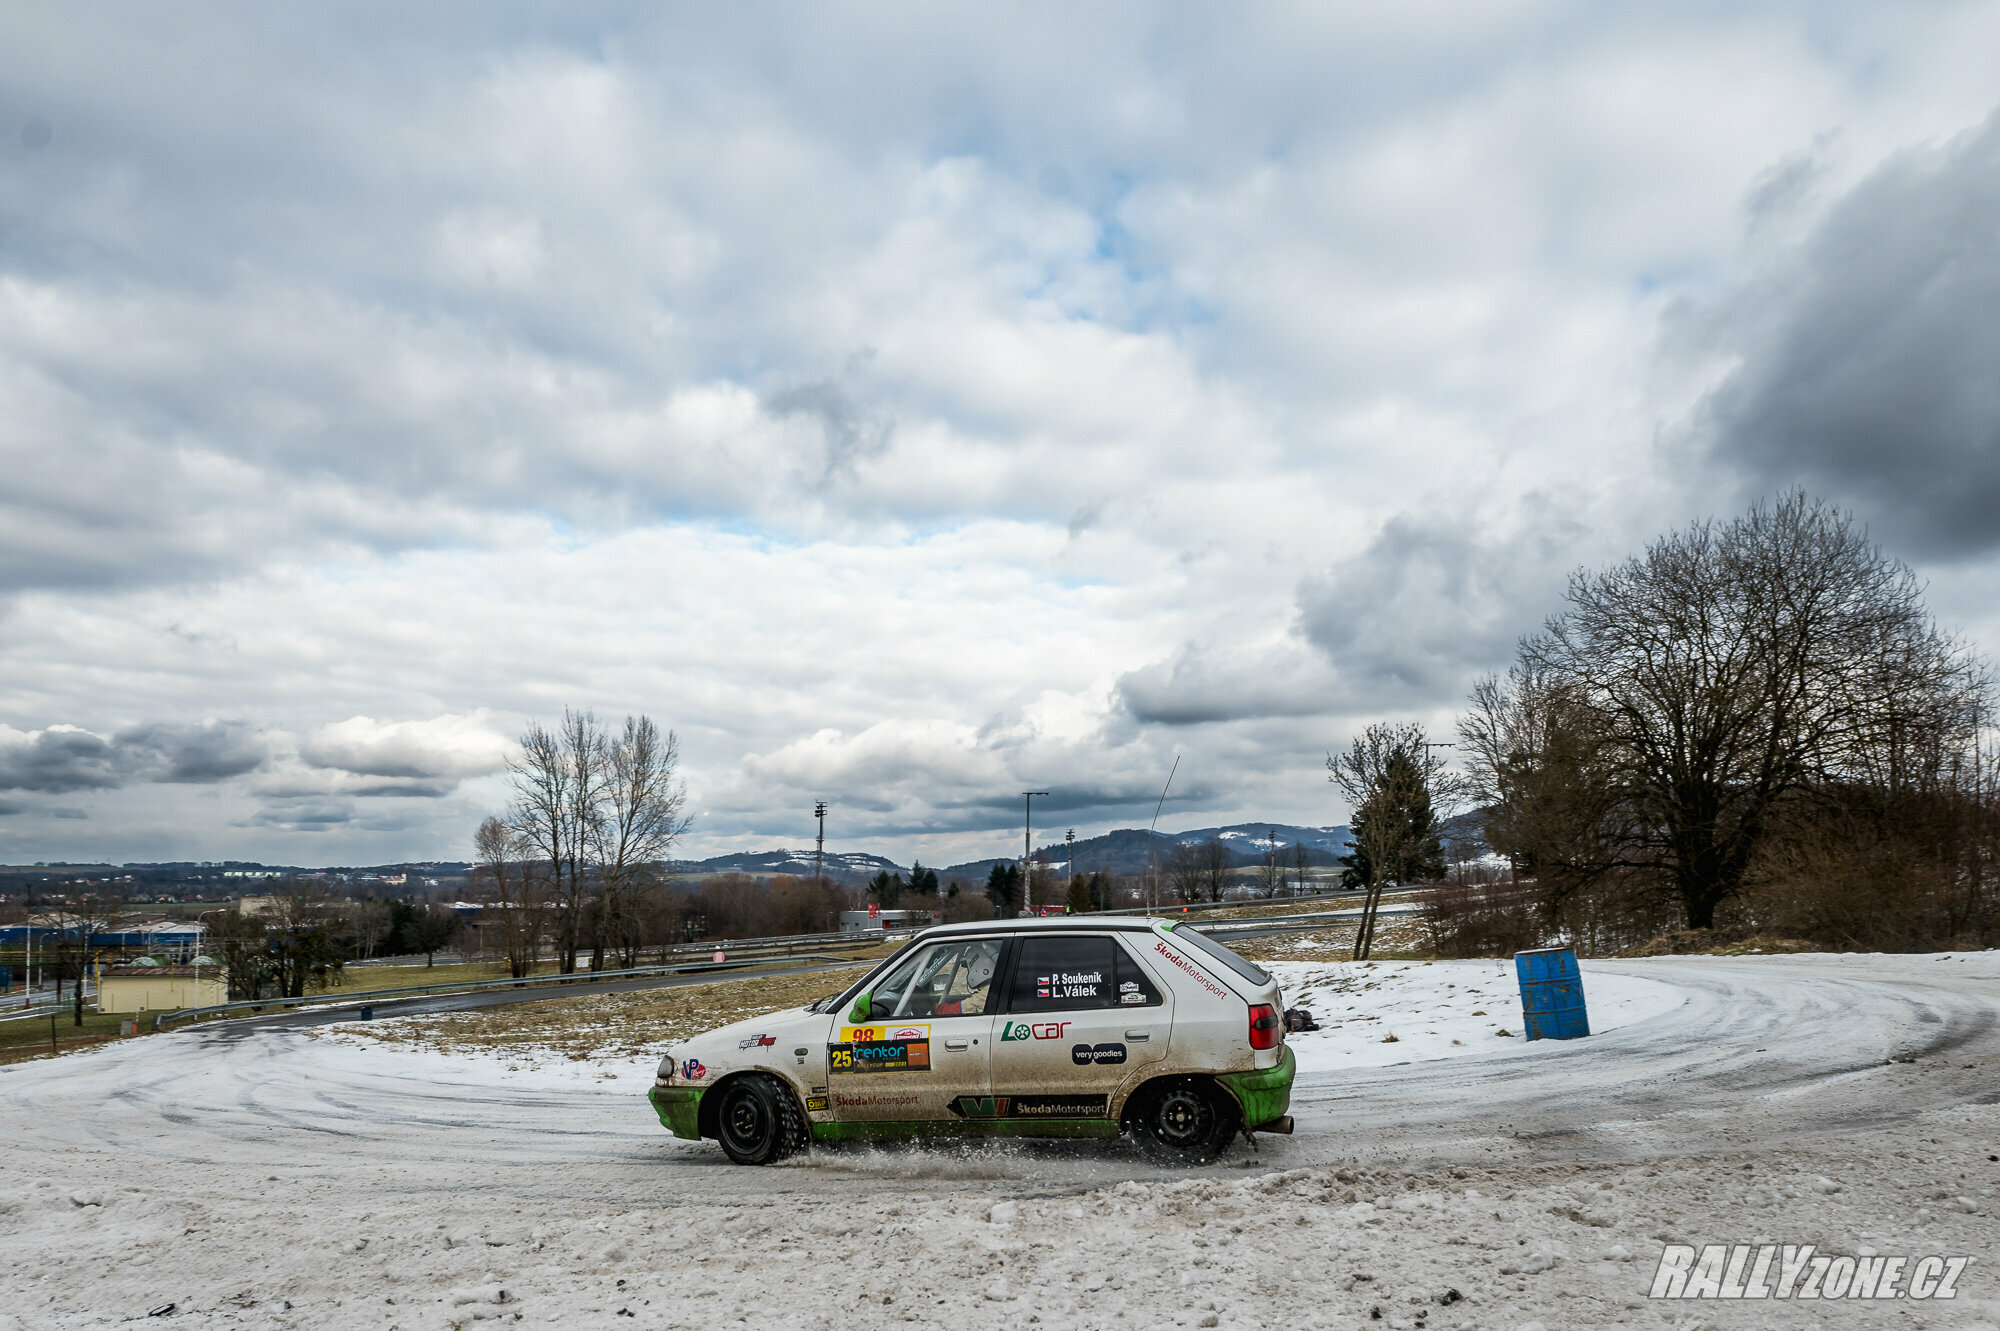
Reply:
x=1184, y=1118
x=744, y=1121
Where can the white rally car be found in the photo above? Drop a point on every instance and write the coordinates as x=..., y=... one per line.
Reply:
x=1075, y=1027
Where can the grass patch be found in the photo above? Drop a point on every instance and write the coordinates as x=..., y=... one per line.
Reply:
x=1396, y=939
x=29, y=1038
x=604, y=1025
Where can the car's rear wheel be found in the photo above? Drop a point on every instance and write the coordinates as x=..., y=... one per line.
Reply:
x=1187, y=1119
x=758, y=1121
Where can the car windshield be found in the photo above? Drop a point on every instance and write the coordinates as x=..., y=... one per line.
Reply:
x=887, y=971
x=1208, y=946
x=942, y=980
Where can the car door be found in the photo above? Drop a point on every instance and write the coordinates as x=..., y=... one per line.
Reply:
x=1082, y=1015
x=927, y=1042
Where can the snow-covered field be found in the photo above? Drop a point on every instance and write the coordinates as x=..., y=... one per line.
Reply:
x=256, y=1176
x=1373, y=1014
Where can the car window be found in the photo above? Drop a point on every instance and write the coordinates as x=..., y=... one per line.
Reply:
x=1065, y=973
x=942, y=980
x=1135, y=987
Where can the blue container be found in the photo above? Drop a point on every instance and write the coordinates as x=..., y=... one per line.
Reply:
x=1551, y=994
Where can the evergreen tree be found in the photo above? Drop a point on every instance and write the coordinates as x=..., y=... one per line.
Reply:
x=1003, y=889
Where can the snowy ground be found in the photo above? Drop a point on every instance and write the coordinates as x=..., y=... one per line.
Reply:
x=255, y=1176
x=1374, y=1014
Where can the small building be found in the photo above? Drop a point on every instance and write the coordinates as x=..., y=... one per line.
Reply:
x=874, y=920
x=159, y=988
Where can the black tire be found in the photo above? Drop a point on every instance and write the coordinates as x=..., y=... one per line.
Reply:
x=757, y=1120
x=1188, y=1120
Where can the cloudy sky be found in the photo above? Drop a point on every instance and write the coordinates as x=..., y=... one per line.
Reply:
x=914, y=404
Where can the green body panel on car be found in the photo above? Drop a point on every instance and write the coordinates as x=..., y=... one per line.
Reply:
x=1264, y=1094
x=679, y=1109
x=996, y=1127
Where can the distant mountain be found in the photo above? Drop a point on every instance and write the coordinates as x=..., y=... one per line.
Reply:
x=1464, y=836
x=1251, y=838
x=841, y=866
x=1131, y=850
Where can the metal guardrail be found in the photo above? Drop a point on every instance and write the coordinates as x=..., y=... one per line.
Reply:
x=1283, y=922
x=842, y=938
x=1181, y=907
x=163, y=1019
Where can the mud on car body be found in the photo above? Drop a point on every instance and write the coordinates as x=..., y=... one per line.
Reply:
x=1073, y=1027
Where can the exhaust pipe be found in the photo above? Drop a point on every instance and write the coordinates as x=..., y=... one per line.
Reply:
x=1281, y=1126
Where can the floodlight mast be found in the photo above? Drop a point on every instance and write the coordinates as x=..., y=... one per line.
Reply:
x=1028, y=845
x=819, y=845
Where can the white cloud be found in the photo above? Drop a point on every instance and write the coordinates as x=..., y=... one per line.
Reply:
x=444, y=746
x=928, y=403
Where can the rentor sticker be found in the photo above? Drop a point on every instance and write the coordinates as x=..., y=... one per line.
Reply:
x=879, y=1056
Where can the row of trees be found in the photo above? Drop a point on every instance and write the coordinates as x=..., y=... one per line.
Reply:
x=583, y=851
x=1755, y=724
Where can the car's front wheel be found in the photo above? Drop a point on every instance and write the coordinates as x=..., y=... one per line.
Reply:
x=758, y=1121
x=1187, y=1119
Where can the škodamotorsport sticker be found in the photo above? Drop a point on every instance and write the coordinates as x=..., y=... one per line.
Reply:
x=1030, y=1106
x=879, y=1056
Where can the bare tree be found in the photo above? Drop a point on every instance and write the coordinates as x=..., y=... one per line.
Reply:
x=1271, y=868
x=306, y=942
x=641, y=813
x=1213, y=859
x=1183, y=868
x=1737, y=666
x=1538, y=766
x=559, y=781
x=239, y=943
x=520, y=895
x=80, y=927
x=1395, y=786
x=1301, y=860
x=370, y=922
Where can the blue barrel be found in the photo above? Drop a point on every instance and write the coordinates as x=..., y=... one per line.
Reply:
x=1551, y=994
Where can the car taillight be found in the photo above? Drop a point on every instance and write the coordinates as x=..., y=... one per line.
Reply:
x=1265, y=1028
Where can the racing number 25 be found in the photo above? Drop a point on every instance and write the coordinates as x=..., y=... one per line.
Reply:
x=842, y=1057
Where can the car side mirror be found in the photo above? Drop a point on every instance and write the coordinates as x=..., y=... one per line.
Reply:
x=863, y=1002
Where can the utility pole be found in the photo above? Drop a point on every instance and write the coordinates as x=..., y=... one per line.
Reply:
x=819, y=845
x=1069, y=840
x=1028, y=844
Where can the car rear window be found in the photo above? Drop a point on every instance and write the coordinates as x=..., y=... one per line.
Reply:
x=1208, y=946
x=1065, y=973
